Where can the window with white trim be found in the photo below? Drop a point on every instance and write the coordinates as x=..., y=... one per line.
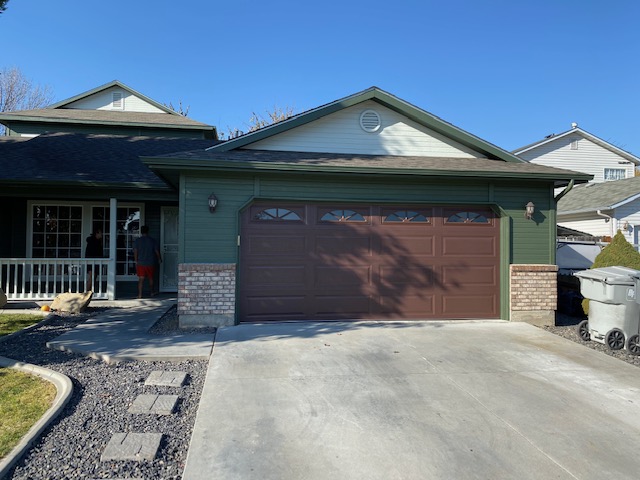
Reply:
x=127, y=228
x=56, y=231
x=615, y=174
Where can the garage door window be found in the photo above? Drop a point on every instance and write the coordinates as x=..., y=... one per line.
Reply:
x=467, y=217
x=343, y=216
x=277, y=215
x=404, y=216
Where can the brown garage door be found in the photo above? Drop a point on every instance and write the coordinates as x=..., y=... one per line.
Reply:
x=328, y=262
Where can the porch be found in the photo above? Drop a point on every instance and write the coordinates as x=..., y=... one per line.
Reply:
x=45, y=278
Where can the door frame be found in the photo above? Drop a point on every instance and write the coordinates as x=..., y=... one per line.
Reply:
x=165, y=264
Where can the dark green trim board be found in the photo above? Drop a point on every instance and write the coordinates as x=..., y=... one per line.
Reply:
x=505, y=262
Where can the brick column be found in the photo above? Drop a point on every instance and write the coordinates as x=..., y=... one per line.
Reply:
x=534, y=293
x=206, y=294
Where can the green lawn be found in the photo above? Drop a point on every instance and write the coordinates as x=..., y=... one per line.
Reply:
x=10, y=323
x=23, y=400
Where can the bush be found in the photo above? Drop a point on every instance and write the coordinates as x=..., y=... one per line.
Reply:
x=618, y=253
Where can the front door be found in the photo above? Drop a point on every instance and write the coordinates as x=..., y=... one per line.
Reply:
x=169, y=249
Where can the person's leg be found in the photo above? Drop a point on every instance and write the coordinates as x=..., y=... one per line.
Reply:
x=140, y=283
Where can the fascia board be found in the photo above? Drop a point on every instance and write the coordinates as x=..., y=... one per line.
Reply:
x=441, y=126
x=293, y=122
x=543, y=142
x=23, y=118
x=625, y=201
x=178, y=163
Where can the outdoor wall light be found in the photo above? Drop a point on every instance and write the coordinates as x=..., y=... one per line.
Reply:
x=529, y=209
x=213, y=202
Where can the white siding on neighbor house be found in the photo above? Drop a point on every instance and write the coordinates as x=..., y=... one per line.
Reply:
x=340, y=132
x=629, y=212
x=589, y=157
x=104, y=101
x=590, y=224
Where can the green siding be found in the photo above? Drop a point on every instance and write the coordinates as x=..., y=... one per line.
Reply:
x=213, y=237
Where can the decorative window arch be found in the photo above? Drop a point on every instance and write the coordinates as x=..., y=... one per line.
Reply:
x=343, y=215
x=468, y=217
x=277, y=214
x=406, y=216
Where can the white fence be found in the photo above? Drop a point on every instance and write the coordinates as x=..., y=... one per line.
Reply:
x=44, y=278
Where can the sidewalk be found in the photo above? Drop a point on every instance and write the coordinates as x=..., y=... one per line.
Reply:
x=121, y=334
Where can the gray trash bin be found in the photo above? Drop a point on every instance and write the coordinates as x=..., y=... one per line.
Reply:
x=614, y=312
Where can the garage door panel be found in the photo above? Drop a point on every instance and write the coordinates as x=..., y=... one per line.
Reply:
x=277, y=245
x=468, y=246
x=469, y=306
x=470, y=275
x=408, y=246
x=416, y=306
x=332, y=277
x=264, y=306
x=275, y=275
x=343, y=245
x=394, y=276
x=329, y=305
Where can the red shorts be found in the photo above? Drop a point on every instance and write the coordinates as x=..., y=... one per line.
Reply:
x=144, y=271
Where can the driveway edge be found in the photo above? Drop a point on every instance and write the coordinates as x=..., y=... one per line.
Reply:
x=64, y=389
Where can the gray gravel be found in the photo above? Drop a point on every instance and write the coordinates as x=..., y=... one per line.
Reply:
x=71, y=447
x=566, y=327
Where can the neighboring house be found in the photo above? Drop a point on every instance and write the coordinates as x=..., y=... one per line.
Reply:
x=581, y=151
x=365, y=208
x=604, y=208
x=74, y=167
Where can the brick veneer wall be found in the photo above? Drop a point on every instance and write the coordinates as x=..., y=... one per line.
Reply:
x=206, y=294
x=534, y=293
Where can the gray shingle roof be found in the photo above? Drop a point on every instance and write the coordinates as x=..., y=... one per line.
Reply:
x=599, y=196
x=411, y=164
x=103, y=116
x=88, y=159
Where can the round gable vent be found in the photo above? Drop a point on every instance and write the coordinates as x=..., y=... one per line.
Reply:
x=370, y=121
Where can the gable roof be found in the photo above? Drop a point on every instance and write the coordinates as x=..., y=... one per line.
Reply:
x=600, y=196
x=589, y=136
x=113, y=83
x=88, y=160
x=56, y=113
x=388, y=100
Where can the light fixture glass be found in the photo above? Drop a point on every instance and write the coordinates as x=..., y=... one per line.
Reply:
x=213, y=202
x=529, y=210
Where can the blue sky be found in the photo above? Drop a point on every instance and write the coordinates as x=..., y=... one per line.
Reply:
x=510, y=72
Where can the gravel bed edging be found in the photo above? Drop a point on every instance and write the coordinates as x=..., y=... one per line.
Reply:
x=71, y=446
x=64, y=389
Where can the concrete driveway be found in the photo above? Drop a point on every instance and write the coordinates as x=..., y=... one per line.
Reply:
x=420, y=400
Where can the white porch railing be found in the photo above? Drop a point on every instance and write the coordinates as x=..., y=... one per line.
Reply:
x=45, y=278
